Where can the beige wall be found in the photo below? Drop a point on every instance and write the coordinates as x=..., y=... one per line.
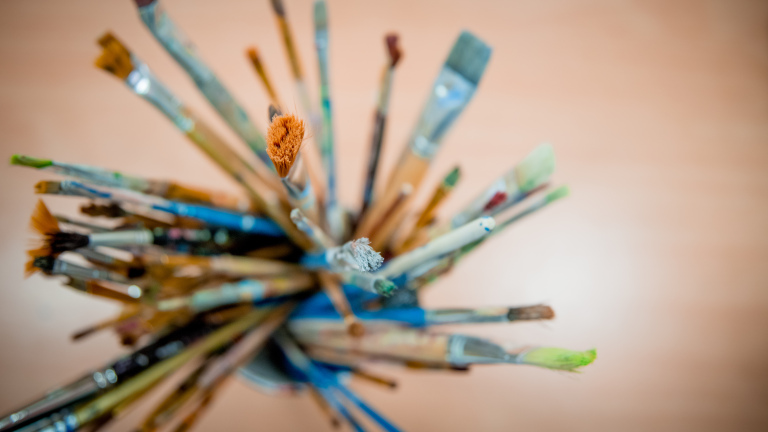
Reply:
x=658, y=111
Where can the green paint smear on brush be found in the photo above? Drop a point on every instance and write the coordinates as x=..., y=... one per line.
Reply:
x=30, y=161
x=561, y=192
x=452, y=178
x=559, y=358
x=384, y=287
x=536, y=168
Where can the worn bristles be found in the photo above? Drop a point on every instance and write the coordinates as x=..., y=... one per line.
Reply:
x=115, y=57
x=469, y=57
x=393, y=49
x=535, y=312
x=366, y=258
x=284, y=139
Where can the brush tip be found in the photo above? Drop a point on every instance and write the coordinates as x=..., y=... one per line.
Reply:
x=561, y=192
x=536, y=168
x=393, y=49
x=559, y=358
x=452, y=178
x=366, y=257
x=29, y=161
x=284, y=138
x=469, y=57
x=278, y=7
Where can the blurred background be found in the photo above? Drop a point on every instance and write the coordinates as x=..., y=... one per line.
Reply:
x=658, y=113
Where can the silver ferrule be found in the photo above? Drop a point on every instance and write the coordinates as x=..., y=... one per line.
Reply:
x=148, y=87
x=449, y=97
x=456, y=316
x=79, y=272
x=466, y=350
x=122, y=238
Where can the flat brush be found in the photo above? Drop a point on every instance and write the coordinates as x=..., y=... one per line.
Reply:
x=380, y=119
x=335, y=216
x=261, y=186
x=284, y=141
x=452, y=91
x=255, y=58
x=162, y=188
x=131, y=295
x=184, y=52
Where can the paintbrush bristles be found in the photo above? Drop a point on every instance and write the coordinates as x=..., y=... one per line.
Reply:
x=535, y=312
x=115, y=58
x=284, y=138
x=393, y=49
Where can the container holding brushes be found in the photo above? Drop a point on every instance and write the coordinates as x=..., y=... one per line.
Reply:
x=291, y=289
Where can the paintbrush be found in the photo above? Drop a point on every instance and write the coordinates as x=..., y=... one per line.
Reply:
x=214, y=216
x=418, y=317
x=284, y=141
x=335, y=216
x=261, y=186
x=246, y=290
x=380, y=119
x=162, y=188
x=453, y=88
x=438, y=247
x=293, y=58
x=184, y=52
x=253, y=55
x=402, y=344
x=427, y=215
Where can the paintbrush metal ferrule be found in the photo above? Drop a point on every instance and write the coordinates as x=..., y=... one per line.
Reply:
x=319, y=238
x=183, y=51
x=454, y=87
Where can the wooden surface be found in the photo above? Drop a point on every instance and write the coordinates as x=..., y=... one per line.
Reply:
x=658, y=112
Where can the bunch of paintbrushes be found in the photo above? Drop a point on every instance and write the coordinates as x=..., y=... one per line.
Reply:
x=282, y=283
